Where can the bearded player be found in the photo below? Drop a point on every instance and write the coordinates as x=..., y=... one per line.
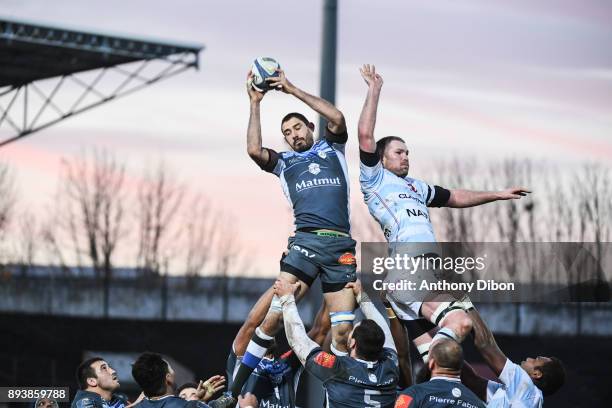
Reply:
x=313, y=175
x=400, y=205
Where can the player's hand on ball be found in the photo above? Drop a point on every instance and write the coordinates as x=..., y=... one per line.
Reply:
x=280, y=82
x=248, y=401
x=206, y=389
x=283, y=288
x=254, y=95
x=371, y=78
x=513, y=193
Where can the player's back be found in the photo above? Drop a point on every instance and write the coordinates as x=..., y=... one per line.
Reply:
x=358, y=383
x=438, y=393
x=169, y=401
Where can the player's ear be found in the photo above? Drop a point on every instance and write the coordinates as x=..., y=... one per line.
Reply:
x=431, y=364
x=536, y=373
x=92, y=382
x=311, y=126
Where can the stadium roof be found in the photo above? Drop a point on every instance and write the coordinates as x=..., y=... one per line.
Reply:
x=31, y=52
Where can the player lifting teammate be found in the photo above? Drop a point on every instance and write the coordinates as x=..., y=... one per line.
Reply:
x=368, y=376
x=314, y=179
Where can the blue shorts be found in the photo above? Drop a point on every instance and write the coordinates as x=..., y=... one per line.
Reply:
x=310, y=255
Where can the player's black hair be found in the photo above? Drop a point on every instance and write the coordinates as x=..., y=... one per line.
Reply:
x=553, y=376
x=369, y=340
x=85, y=371
x=149, y=371
x=447, y=354
x=295, y=115
x=186, y=385
x=381, y=145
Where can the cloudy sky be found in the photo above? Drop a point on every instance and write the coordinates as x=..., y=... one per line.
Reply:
x=486, y=79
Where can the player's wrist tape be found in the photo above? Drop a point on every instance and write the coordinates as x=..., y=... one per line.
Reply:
x=286, y=299
x=466, y=303
x=391, y=313
x=276, y=306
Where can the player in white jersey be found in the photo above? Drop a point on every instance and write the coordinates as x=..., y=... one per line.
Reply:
x=400, y=204
x=522, y=385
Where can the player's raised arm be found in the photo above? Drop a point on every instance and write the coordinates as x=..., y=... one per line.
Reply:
x=335, y=118
x=260, y=155
x=468, y=198
x=370, y=312
x=253, y=320
x=485, y=343
x=295, y=331
x=402, y=342
x=367, y=119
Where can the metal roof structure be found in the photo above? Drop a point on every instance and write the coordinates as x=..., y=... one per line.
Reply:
x=32, y=53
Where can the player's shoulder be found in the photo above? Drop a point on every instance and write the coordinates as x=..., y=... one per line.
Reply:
x=324, y=359
x=86, y=399
x=519, y=383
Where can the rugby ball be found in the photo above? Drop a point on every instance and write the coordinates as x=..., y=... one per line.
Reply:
x=263, y=67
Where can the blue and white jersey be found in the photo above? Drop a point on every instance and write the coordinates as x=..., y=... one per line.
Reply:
x=519, y=389
x=316, y=183
x=496, y=396
x=399, y=204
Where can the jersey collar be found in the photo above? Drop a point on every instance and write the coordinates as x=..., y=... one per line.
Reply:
x=454, y=379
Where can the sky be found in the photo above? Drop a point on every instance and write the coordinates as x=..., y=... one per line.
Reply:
x=480, y=79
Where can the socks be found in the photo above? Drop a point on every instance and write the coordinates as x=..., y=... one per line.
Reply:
x=256, y=350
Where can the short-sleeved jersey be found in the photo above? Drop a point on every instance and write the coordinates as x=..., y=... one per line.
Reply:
x=438, y=393
x=274, y=381
x=398, y=204
x=520, y=390
x=316, y=183
x=350, y=382
x=88, y=399
x=496, y=396
x=170, y=401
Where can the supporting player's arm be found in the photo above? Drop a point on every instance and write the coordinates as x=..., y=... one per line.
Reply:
x=474, y=382
x=468, y=198
x=485, y=343
x=367, y=119
x=260, y=155
x=253, y=320
x=295, y=331
x=400, y=337
x=370, y=312
x=336, y=123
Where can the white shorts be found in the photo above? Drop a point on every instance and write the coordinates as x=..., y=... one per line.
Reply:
x=406, y=311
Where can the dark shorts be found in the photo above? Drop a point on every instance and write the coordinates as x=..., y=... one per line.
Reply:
x=310, y=255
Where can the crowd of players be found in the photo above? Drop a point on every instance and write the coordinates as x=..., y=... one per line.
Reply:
x=363, y=363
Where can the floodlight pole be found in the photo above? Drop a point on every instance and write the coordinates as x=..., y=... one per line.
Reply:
x=328, y=56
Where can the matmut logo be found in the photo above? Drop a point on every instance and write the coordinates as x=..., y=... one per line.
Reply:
x=319, y=182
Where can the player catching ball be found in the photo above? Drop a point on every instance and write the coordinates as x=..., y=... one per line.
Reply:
x=314, y=178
